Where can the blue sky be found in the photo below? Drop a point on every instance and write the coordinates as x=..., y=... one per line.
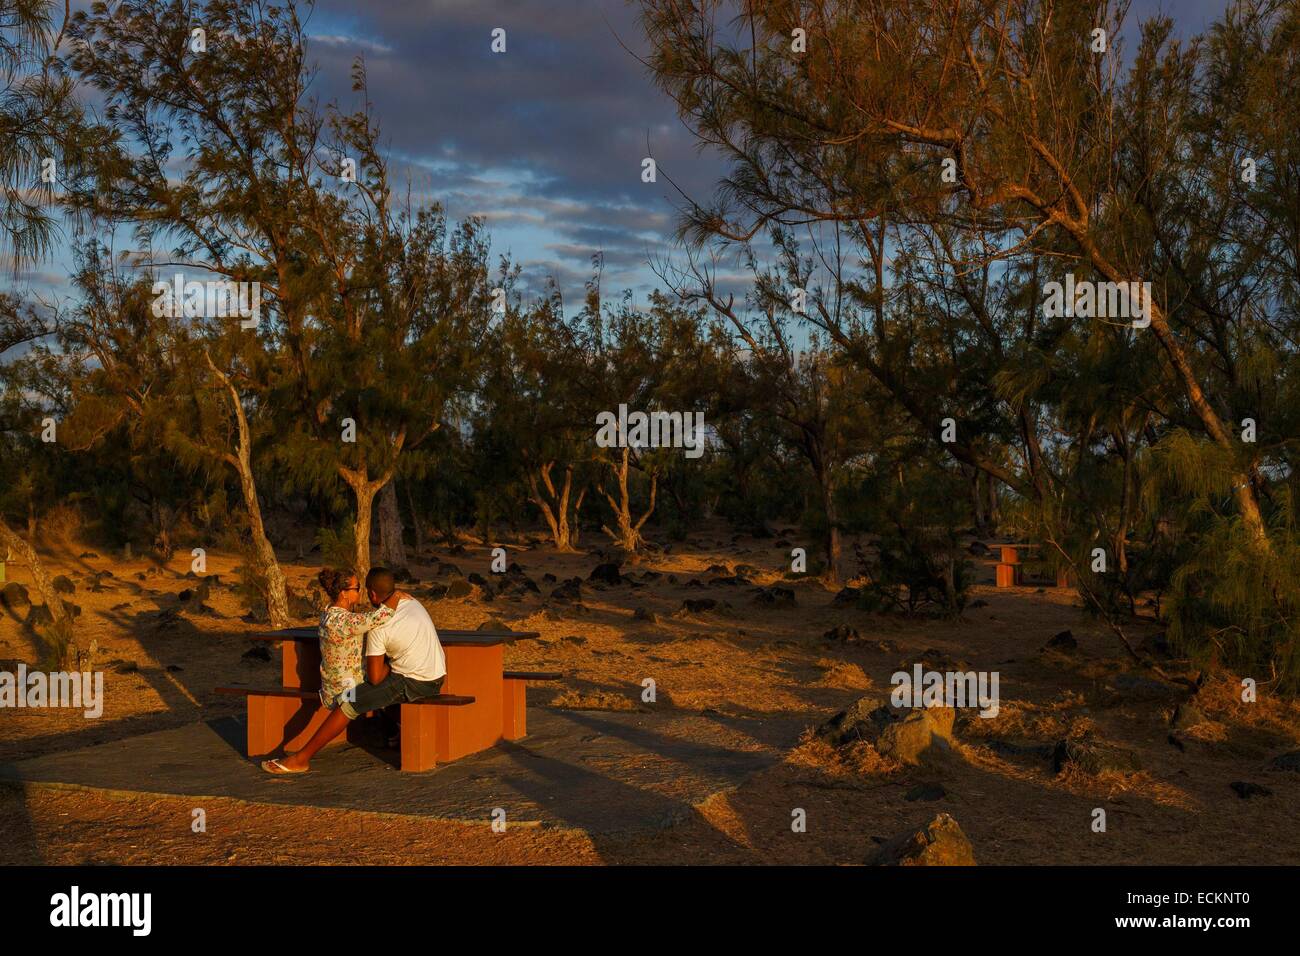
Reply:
x=544, y=141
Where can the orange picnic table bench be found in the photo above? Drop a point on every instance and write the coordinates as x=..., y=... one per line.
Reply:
x=481, y=702
x=1010, y=571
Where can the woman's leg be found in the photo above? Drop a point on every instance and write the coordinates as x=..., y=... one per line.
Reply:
x=334, y=725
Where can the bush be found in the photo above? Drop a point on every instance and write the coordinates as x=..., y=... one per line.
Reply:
x=338, y=549
x=917, y=570
x=1234, y=606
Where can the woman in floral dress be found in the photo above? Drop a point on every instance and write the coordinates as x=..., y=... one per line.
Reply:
x=342, y=635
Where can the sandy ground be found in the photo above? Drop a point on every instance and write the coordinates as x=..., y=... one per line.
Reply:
x=163, y=657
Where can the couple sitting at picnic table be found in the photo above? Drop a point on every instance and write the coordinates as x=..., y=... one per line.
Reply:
x=399, y=629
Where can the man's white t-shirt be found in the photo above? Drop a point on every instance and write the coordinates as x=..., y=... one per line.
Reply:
x=410, y=641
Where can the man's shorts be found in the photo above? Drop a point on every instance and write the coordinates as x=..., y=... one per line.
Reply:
x=393, y=689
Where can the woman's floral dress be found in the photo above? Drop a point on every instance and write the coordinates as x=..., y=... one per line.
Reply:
x=342, y=636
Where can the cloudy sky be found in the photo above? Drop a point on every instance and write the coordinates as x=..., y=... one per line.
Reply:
x=546, y=140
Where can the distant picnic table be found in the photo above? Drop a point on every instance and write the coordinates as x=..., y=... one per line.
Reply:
x=1010, y=571
x=481, y=702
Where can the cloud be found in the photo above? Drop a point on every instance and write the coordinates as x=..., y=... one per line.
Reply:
x=544, y=141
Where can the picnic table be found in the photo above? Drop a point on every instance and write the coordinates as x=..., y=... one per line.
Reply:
x=481, y=702
x=1010, y=571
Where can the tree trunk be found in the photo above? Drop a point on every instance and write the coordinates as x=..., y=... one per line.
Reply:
x=832, y=543
x=628, y=536
x=417, y=526
x=391, y=549
x=978, y=503
x=364, y=490
x=268, y=567
x=564, y=532
x=40, y=577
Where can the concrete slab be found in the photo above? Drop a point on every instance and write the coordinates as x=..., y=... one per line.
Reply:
x=600, y=771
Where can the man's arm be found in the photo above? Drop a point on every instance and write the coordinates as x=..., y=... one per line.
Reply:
x=376, y=669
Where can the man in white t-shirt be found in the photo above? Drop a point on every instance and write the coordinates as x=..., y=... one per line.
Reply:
x=415, y=668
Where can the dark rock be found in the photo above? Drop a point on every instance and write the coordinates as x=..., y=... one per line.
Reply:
x=1287, y=761
x=843, y=633
x=672, y=579
x=695, y=583
x=642, y=614
x=1094, y=757
x=606, y=573
x=1063, y=641
x=518, y=586
x=775, y=597
x=15, y=596
x=185, y=595
x=549, y=578
x=847, y=597
x=493, y=624
x=457, y=589
x=87, y=554
x=902, y=733
x=1245, y=789
x=570, y=592
x=698, y=606
x=940, y=842
x=927, y=792
x=258, y=653
x=63, y=586
x=476, y=578
x=174, y=668
x=978, y=548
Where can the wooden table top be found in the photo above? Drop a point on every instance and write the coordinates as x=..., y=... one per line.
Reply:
x=449, y=638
